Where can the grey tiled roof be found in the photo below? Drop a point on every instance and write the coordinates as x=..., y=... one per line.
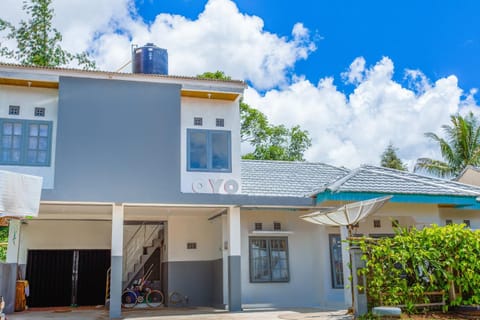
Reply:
x=285, y=178
x=385, y=180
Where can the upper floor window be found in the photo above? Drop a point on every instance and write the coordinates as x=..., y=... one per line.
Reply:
x=39, y=112
x=25, y=142
x=208, y=150
x=14, y=110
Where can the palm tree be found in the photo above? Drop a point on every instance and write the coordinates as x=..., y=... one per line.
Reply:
x=460, y=148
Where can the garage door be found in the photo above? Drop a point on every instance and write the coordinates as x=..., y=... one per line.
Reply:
x=66, y=277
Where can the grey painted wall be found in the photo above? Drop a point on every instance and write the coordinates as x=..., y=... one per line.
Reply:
x=217, y=283
x=8, y=277
x=119, y=141
x=194, y=279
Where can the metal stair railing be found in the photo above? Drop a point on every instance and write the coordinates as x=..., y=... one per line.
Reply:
x=133, y=248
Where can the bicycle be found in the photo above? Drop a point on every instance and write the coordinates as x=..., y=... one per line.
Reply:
x=131, y=297
x=140, y=293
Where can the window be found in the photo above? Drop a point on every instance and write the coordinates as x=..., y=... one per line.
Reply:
x=219, y=122
x=39, y=112
x=14, y=110
x=25, y=142
x=377, y=224
x=208, y=150
x=467, y=223
x=197, y=121
x=258, y=226
x=336, y=260
x=448, y=222
x=269, y=260
x=277, y=226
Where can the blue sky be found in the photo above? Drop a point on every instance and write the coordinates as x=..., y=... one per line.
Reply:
x=357, y=75
x=438, y=37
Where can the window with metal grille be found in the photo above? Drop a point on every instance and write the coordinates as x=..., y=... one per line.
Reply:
x=258, y=226
x=14, y=110
x=448, y=222
x=191, y=245
x=208, y=150
x=269, y=259
x=25, y=142
x=395, y=223
x=467, y=223
x=197, y=121
x=277, y=226
x=219, y=122
x=377, y=224
x=39, y=112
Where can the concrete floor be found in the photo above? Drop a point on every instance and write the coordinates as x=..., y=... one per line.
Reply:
x=184, y=314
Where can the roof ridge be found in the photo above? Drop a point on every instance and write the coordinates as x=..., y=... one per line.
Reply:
x=297, y=162
x=389, y=171
x=336, y=183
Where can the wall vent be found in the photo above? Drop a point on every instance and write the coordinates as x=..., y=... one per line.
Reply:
x=258, y=226
x=448, y=222
x=191, y=245
x=219, y=122
x=198, y=121
x=377, y=224
x=39, y=112
x=14, y=110
x=277, y=226
x=467, y=223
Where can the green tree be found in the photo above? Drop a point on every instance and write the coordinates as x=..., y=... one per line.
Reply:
x=270, y=142
x=389, y=159
x=3, y=239
x=38, y=43
x=459, y=148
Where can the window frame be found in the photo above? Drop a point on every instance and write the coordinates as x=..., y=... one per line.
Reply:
x=269, y=246
x=24, y=142
x=335, y=285
x=209, y=150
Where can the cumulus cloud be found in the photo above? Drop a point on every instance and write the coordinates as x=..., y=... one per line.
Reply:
x=354, y=129
x=346, y=129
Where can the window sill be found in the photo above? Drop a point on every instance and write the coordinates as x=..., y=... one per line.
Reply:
x=269, y=233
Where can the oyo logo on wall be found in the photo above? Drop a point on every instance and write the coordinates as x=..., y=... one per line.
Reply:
x=229, y=186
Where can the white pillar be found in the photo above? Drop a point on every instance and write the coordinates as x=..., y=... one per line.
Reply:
x=234, y=261
x=347, y=286
x=13, y=248
x=117, y=262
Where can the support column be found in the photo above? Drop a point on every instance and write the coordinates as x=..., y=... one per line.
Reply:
x=347, y=291
x=13, y=248
x=234, y=261
x=117, y=262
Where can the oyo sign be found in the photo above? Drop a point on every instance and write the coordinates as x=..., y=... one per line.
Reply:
x=230, y=186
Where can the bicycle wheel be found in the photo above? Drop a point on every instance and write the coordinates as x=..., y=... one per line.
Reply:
x=154, y=298
x=129, y=298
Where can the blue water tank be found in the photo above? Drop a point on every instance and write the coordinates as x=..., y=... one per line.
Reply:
x=150, y=59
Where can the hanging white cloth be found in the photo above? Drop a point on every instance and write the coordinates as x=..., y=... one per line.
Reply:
x=19, y=194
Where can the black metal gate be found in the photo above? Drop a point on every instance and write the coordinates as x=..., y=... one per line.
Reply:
x=66, y=277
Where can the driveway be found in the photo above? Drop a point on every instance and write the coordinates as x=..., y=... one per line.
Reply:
x=185, y=314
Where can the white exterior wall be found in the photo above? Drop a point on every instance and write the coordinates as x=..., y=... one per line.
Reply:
x=28, y=99
x=209, y=110
x=47, y=234
x=194, y=228
x=457, y=216
x=309, y=263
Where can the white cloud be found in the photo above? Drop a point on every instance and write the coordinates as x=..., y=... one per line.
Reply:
x=355, y=129
x=346, y=130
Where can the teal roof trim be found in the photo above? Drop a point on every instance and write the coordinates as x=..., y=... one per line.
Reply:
x=460, y=202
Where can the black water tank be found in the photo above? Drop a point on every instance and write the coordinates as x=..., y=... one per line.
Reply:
x=150, y=59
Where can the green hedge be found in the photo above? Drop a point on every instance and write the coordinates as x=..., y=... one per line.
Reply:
x=400, y=269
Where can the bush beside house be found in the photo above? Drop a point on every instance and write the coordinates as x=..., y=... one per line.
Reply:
x=400, y=270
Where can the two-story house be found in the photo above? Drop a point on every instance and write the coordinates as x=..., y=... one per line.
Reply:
x=143, y=172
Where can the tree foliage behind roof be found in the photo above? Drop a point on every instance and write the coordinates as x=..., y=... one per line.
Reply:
x=270, y=142
x=459, y=148
x=390, y=159
x=38, y=42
